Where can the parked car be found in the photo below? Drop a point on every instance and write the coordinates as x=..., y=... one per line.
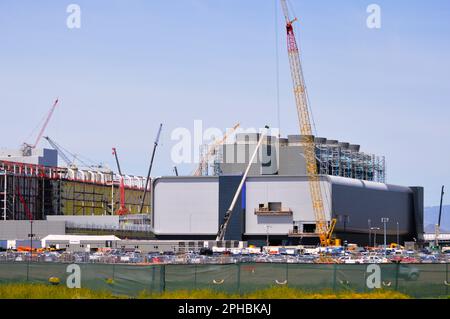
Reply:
x=375, y=260
x=408, y=272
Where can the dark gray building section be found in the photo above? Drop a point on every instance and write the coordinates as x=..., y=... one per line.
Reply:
x=357, y=208
x=227, y=189
x=418, y=212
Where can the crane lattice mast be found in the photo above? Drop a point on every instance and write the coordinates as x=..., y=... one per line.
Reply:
x=322, y=228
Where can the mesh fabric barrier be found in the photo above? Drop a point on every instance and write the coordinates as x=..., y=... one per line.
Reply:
x=416, y=280
x=423, y=280
x=217, y=277
x=311, y=277
x=262, y=275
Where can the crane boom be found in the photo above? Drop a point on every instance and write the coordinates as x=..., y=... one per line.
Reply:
x=223, y=227
x=437, y=229
x=27, y=148
x=47, y=120
x=322, y=229
x=114, y=151
x=123, y=210
x=147, y=181
x=58, y=148
x=212, y=148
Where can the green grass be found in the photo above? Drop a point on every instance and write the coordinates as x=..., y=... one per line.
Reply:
x=274, y=293
x=40, y=291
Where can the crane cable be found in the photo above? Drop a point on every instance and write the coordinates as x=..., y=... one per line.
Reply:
x=277, y=67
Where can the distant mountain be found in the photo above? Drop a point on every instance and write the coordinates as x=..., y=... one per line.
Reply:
x=431, y=218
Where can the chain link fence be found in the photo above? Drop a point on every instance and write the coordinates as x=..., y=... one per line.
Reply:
x=416, y=280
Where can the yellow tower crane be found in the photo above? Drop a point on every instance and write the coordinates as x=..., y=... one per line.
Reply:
x=323, y=229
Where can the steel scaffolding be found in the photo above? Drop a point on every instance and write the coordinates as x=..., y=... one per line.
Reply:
x=63, y=191
x=338, y=161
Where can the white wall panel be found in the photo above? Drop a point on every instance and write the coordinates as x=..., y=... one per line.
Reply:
x=186, y=206
x=292, y=192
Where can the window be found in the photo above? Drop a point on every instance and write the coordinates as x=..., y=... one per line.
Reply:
x=275, y=206
x=309, y=228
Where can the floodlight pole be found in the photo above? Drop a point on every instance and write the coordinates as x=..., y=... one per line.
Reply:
x=384, y=220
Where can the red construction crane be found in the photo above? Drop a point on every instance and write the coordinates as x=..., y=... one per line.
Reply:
x=30, y=218
x=123, y=210
x=27, y=148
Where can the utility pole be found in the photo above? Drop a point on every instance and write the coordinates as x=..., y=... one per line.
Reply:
x=384, y=220
x=175, y=170
x=375, y=235
x=398, y=234
x=370, y=232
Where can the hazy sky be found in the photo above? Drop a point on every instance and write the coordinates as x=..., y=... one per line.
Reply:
x=134, y=64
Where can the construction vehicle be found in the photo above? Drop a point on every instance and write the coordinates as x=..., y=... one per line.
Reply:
x=27, y=148
x=323, y=229
x=123, y=210
x=223, y=227
x=203, y=163
x=396, y=246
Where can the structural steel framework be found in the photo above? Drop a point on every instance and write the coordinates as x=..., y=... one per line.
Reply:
x=64, y=191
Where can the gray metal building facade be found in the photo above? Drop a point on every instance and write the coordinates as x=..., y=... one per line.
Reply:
x=193, y=208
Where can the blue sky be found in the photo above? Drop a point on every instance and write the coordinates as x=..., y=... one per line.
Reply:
x=134, y=64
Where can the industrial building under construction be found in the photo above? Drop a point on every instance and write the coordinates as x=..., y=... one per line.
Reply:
x=36, y=185
x=300, y=189
x=275, y=203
